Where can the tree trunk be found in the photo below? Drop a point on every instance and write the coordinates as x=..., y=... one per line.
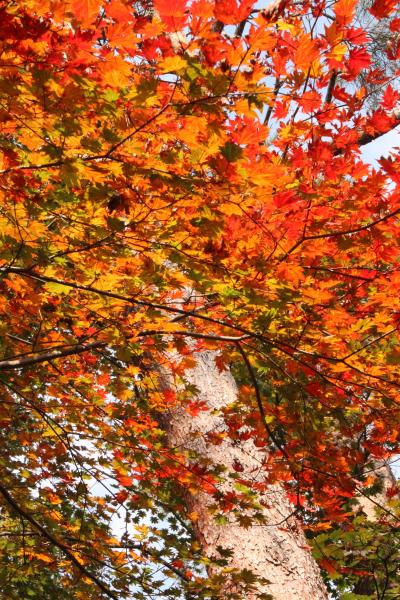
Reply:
x=276, y=551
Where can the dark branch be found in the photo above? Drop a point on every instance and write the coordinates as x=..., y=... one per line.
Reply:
x=260, y=402
x=26, y=361
x=331, y=86
x=196, y=334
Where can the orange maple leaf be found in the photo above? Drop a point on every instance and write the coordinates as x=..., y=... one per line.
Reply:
x=125, y=480
x=85, y=11
x=344, y=11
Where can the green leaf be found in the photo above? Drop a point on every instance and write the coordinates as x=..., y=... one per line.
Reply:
x=232, y=152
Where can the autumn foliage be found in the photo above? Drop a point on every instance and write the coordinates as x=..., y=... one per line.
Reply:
x=176, y=177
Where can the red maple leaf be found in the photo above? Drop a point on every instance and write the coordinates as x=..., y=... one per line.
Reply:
x=382, y=8
x=230, y=12
x=359, y=59
x=390, y=98
x=172, y=13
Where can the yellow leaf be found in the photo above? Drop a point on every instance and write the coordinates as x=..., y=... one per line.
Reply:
x=116, y=71
x=338, y=52
x=231, y=209
x=172, y=64
x=43, y=557
x=58, y=289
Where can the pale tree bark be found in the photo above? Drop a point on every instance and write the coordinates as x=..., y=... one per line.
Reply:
x=276, y=551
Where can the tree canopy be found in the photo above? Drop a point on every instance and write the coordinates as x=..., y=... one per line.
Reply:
x=175, y=177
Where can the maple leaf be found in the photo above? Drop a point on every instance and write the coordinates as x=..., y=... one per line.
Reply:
x=172, y=13
x=125, y=481
x=382, y=121
x=344, y=11
x=247, y=132
x=359, y=59
x=231, y=12
x=85, y=10
x=281, y=109
x=42, y=557
x=305, y=52
x=390, y=98
x=383, y=8
x=310, y=101
x=169, y=396
x=172, y=64
x=120, y=13
x=394, y=25
x=356, y=35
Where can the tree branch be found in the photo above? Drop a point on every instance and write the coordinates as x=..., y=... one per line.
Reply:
x=331, y=86
x=268, y=114
x=134, y=301
x=319, y=236
x=260, y=403
x=196, y=334
x=93, y=157
x=26, y=361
